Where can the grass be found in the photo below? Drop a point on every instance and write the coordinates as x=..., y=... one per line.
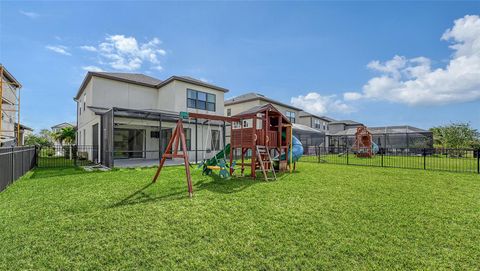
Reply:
x=321, y=217
x=460, y=164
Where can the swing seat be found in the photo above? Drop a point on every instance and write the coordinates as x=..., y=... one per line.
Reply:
x=214, y=167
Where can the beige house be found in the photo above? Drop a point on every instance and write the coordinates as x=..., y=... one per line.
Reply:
x=313, y=121
x=9, y=98
x=246, y=101
x=132, y=116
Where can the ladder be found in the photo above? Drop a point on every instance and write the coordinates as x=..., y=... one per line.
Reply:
x=262, y=153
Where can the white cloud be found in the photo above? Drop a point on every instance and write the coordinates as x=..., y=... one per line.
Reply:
x=351, y=96
x=316, y=103
x=126, y=53
x=60, y=49
x=92, y=68
x=88, y=48
x=29, y=14
x=158, y=68
x=415, y=82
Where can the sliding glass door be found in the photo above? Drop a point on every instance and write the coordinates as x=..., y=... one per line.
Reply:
x=128, y=143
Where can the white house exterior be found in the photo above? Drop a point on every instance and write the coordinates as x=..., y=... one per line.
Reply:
x=129, y=96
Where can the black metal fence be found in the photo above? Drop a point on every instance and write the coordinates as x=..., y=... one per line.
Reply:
x=14, y=163
x=67, y=156
x=456, y=160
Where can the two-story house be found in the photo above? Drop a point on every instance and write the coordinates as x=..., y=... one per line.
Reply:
x=316, y=122
x=303, y=126
x=246, y=101
x=9, y=107
x=125, y=116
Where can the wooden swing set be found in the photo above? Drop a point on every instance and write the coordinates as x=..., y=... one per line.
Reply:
x=262, y=131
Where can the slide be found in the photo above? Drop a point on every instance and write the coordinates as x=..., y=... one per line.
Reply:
x=297, y=150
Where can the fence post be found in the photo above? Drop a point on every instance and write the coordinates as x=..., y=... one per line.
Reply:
x=37, y=152
x=72, y=154
x=381, y=152
x=347, y=155
x=424, y=153
x=478, y=161
x=13, y=165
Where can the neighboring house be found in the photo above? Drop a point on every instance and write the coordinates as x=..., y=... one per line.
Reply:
x=9, y=107
x=313, y=121
x=246, y=101
x=24, y=132
x=125, y=115
x=57, y=128
x=303, y=123
x=342, y=125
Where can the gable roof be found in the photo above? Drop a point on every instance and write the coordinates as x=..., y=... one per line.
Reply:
x=191, y=80
x=10, y=77
x=63, y=124
x=252, y=96
x=304, y=114
x=143, y=80
x=260, y=108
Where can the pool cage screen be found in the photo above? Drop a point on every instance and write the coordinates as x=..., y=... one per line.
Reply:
x=140, y=137
x=386, y=137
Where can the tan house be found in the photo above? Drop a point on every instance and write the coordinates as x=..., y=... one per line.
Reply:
x=313, y=121
x=246, y=101
x=132, y=116
x=9, y=106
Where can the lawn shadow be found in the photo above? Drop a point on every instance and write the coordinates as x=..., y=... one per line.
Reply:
x=41, y=173
x=142, y=196
x=212, y=183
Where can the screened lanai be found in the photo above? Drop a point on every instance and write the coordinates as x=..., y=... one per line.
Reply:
x=132, y=138
x=391, y=137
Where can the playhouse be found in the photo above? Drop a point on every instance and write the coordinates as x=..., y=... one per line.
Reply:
x=266, y=134
x=363, y=146
x=261, y=134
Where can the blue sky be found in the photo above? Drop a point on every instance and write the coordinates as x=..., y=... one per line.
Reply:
x=375, y=62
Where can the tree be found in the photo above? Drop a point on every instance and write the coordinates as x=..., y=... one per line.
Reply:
x=38, y=141
x=455, y=135
x=65, y=135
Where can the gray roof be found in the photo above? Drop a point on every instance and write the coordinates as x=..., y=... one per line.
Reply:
x=307, y=114
x=132, y=77
x=347, y=122
x=143, y=80
x=305, y=129
x=251, y=96
x=63, y=124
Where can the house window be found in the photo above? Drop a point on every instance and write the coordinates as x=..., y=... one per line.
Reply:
x=79, y=109
x=291, y=116
x=215, y=144
x=325, y=126
x=229, y=112
x=201, y=100
x=317, y=124
x=188, y=138
x=84, y=101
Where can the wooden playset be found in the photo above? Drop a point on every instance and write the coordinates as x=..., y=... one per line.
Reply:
x=262, y=133
x=363, y=146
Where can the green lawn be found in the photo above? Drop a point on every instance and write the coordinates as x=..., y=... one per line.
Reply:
x=460, y=164
x=321, y=217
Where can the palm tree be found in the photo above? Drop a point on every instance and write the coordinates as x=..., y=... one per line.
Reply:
x=66, y=135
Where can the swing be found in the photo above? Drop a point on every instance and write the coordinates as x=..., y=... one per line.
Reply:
x=215, y=163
